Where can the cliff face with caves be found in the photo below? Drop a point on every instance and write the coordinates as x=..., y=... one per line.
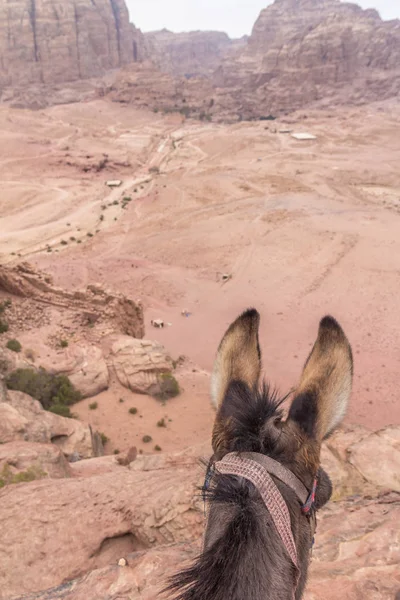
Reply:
x=55, y=41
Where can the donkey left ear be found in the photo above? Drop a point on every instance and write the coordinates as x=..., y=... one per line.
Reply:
x=238, y=357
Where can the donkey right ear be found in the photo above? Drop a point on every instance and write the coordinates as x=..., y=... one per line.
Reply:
x=238, y=357
x=320, y=402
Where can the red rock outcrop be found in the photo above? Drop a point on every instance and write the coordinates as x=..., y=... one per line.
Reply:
x=304, y=51
x=150, y=514
x=51, y=41
x=188, y=54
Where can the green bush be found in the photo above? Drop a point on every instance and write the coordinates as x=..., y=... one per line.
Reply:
x=54, y=392
x=169, y=387
x=4, y=305
x=61, y=410
x=7, y=477
x=93, y=405
x=147, y=439
x=3, y=326
x=133, y=411
x=14, y=345
x=157, y=448
x=104, y=438
x=161, y=423
x=64, y=343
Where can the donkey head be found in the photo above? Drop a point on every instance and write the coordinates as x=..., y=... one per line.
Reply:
x=249, y=420
x=243, y=554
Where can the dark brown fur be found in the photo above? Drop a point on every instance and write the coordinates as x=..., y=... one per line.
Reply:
x=243, y=557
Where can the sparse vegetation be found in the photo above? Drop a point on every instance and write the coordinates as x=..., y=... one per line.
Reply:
x=146, y=439
x=7, y=477
x=4, y=305
x=161, y=423
x=89, y=234
x=30, y=355
x=121, y=400
x=133, y=411
x=93, y=405
x=169, y=387
x=64, y=243
x=205, y=116
x=116, y=451
x=104, y=438
x=157, y=448
x=3, y=326
x=55, y=392
x=14, y=345
x=64, y=343
x=154, y=170
x=101, y=217
x=72, y=238
x=126, y=198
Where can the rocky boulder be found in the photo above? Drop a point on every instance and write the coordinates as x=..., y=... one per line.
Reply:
x=29, y=461
x=88, y=523
x=22, y=418
x=84, y=365
x=139, y=363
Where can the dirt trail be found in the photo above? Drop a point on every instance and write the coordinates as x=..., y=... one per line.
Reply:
x=304, y=228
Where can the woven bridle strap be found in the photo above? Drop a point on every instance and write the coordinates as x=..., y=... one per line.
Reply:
x=234, y=464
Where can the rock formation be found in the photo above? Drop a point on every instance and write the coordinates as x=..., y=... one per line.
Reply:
x=304, y=51
x=189, y=54
x=51, y=41
x=94, y=306
x=138, y=364
x=24, y=419
x=75, y=530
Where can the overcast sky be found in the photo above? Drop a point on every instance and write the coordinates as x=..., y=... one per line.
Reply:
x=236, y=17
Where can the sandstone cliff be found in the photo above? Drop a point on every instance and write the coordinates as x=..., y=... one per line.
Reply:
x=188, y=54
x=52, y=41
x=304, y=51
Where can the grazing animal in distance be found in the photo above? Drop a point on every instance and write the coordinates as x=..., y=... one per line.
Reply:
x=264, y=484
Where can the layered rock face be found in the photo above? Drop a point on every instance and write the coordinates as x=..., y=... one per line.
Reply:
x=75, y=529
x=302, y=51
x=52, y=41
x=188, y=54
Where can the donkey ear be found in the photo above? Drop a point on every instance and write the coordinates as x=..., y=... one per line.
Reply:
x=238, y=357
x=321, y=399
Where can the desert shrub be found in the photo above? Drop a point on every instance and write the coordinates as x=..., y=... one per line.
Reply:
x=101, y=217
x=104, y=438
x=161, y=423
x=52, y=391
x=121, y=400
x=147, y=439
x=154, y=170
x=30, y=355
x=168, y=387
x=14, y=345
x=64, y=242
x=61, y=410
x=157, y=448
x=133, y=411
x=3, y=326
x=89, y=234
x=64, y=343
x=4, y=305
x=7, y=477
x=116, y=451
x=93, y=405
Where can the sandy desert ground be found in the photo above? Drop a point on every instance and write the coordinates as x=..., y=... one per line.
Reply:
x=305, y=228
